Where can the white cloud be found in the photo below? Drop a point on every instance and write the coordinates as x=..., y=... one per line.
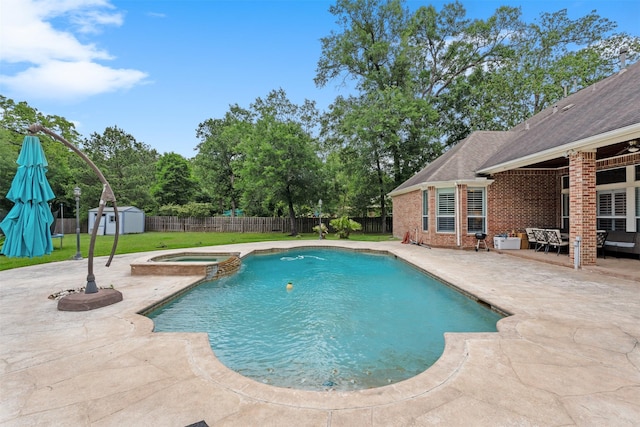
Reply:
x=58, y=64
x=156, y=15
x=71, y=80
x=91, y=21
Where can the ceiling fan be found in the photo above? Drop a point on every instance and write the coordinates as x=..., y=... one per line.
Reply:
x=633, y=147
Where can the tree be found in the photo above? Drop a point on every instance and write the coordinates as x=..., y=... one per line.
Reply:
x=401, y=63
x=218, y=156
x=384, y=142
x=127, y=164
x=550, y=58
x=280, y=163
x=15, y=120
x=546, y=61
x=427, y=79
x=174, y=182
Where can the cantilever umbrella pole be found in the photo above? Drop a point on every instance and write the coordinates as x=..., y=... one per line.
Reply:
x=107, y=196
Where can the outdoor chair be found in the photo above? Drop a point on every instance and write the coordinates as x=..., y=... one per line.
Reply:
x=601, y=237
x=541, y=239
x=554, y=238
x=52, y=229
x=531, y=237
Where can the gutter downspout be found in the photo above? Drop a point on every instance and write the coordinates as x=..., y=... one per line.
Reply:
x=457, y=214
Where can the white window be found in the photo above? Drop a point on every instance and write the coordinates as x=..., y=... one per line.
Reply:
x=446, y=210
x=612, y=210
x=476, y=210
x=425, y=210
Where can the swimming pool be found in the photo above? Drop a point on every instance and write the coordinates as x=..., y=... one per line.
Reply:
x=349, y=320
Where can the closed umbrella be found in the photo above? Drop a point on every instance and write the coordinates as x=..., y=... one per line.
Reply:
x=27, y=225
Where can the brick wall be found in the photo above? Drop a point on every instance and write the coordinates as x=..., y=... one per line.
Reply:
x=407, y=213
x=582, y=204
x=407, y=217
x=617, y=162
x=523, y=198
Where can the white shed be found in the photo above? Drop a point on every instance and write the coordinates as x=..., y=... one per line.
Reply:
x=130, y=218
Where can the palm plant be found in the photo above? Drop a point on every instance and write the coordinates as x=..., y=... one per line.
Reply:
x=344, y=226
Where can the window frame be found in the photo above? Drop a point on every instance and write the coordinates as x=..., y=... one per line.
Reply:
x=618, y=219
x=425, y=210
x=566, y=212
x=474, y=215
x=637, y=209
x=446, y=211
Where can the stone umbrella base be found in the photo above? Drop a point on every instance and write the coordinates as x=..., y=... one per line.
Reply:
x=86, y=302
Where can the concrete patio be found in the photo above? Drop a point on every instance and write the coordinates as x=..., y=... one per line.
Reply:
x=569, y=354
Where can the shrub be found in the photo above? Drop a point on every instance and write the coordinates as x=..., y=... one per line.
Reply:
x=345, y=226
x=324, y=230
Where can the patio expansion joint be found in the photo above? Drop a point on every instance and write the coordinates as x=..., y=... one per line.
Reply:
x=634, y=362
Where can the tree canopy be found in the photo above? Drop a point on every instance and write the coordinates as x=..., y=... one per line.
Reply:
x=174, y=183
x=128, y=165
x=280, y=163
x=15, y=120
x=219, y=156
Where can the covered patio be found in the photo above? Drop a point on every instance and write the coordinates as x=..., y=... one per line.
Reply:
x=618, y=268
x=582, y=160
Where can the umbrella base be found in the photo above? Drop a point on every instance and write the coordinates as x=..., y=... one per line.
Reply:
x=86, y=302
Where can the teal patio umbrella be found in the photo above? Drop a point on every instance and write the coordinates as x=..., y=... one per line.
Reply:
x=26, y=226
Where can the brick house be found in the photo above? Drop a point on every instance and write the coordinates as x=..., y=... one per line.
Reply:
x=574, y=166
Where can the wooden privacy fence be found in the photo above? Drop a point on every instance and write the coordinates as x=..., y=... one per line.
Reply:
x=68, y=226
x=251, y=224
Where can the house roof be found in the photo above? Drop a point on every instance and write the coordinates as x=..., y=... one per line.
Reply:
x=602, y=114
x=460, y=162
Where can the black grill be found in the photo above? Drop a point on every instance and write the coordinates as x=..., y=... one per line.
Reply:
x=480, y=240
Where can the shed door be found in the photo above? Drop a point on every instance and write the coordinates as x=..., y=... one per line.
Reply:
x=110, y=226
x=100, y=224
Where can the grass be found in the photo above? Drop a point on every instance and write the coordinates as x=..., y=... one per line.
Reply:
x=151, y=241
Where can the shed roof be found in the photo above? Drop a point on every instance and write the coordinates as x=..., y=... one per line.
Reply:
x=120, y=209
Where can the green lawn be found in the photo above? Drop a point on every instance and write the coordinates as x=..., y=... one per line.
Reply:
x=130, y=243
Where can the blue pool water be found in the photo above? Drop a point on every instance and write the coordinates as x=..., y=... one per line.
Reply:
x=352, y=320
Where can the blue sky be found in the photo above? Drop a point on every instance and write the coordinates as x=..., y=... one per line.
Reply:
x=156, y=69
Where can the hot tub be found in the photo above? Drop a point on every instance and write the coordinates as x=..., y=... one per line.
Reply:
x=207, y=264
x=192, y=257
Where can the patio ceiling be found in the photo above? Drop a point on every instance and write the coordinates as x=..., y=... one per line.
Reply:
x=606, y=152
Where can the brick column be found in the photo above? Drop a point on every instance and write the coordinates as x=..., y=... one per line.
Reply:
x=582, y=204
